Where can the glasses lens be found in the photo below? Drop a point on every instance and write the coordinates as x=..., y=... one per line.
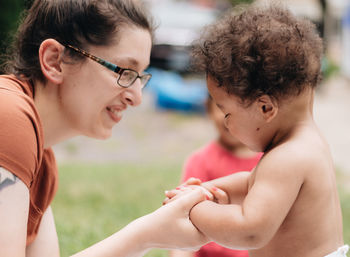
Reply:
x=127, y=78
x=145, y=78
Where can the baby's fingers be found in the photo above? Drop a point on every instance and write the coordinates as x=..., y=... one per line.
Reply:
x=192, y=181
x=220, y=196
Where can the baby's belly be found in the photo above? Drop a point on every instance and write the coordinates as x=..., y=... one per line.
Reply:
x=295, y=246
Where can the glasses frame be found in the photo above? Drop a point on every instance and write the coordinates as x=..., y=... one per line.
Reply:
x=113, y=67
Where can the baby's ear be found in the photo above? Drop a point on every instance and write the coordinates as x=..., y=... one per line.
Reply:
x=50, y=53
x=268, y=107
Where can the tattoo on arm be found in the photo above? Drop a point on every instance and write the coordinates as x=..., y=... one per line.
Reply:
x=6, y=178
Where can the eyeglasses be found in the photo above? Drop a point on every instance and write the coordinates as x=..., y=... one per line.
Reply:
x=126, y=78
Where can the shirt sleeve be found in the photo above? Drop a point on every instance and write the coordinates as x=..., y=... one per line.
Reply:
x=18, y=136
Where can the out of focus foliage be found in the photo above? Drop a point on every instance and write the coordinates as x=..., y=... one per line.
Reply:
x=235, y=2
x=9, y=17
x=10, y=13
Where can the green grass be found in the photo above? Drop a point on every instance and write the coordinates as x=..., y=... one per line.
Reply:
x=345, y=203
x=94, y=201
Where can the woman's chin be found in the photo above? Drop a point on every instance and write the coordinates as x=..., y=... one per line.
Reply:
x=101, y=135
x=105, y=136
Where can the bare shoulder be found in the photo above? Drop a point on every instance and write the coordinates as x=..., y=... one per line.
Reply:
x=287, y=160
x=299, y=155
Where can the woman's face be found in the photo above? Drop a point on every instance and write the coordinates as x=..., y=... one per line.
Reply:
x=91, y=100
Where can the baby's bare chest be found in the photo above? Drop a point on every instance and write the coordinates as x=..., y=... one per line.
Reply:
x=314, y=215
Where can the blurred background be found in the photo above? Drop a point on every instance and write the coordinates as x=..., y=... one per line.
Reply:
x=106, y=184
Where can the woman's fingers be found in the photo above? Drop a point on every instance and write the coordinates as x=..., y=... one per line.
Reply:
x=212, y=193
x=175, y=193
x=180, y=232
x=170, y=195
x=190, y=197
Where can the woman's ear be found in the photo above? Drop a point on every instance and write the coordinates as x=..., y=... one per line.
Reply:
x=268, y=107
x=50, y=55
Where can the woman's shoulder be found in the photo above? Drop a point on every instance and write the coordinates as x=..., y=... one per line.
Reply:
x=16, y=98
x=13, y=84
x=21, y=133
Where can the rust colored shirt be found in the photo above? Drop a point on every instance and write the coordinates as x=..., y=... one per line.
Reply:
x=22, y=148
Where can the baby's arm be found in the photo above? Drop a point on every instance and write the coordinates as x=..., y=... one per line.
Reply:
x=234, y=185
x=253, y=223
x=229, y=189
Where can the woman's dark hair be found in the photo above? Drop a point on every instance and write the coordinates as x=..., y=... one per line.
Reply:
x=76, y=22
x=260, y=51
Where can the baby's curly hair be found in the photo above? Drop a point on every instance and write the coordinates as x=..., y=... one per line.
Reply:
x=260, y=51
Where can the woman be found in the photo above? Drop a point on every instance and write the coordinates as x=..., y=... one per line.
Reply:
x=59, y=86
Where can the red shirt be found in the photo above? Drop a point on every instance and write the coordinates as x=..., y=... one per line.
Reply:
x=211, y=162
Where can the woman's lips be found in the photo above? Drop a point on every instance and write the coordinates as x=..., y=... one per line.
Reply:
x=115, y=113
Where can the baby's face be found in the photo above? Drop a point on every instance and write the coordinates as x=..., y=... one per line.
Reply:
x=218, y=118
x=241, y=121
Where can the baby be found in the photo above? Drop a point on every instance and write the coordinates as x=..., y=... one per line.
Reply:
x=262, y=67
x=222, y=156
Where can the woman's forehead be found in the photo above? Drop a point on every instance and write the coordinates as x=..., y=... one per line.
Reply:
x=132, y=49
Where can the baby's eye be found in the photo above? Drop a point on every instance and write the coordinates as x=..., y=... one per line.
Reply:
x=227, y=115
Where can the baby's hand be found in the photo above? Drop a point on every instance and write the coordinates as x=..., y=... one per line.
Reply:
x=213, y=193
x=192, y=181
x=220, y=196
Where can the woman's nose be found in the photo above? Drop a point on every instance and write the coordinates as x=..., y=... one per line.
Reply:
x=133, y=94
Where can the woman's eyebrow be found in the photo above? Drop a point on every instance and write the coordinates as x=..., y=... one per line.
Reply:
x=124, y=60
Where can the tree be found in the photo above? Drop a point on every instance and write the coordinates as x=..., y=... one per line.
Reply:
x=10, y=12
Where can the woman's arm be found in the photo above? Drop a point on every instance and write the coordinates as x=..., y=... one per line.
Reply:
x=46, y=242
x=168, y=227
x=14, y=208
x=179, y=253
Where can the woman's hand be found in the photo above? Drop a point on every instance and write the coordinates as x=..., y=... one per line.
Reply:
x=212, y=192
x=177, y=192
x=170, y=226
